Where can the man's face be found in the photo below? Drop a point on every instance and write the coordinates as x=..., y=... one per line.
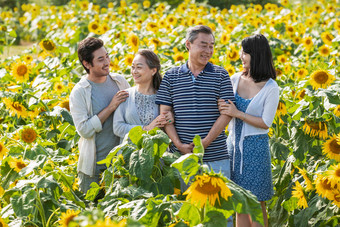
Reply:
x=100, y=64
x=201, y=49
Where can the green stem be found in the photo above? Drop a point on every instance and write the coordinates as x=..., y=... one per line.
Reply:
x=50, y=218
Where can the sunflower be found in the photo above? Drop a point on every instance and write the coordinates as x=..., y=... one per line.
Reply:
x=21, y=71
x=337, y=111
x=281, y=109
x=282, y=59
x=17, y=164
x=337, y=25
x=2, y=190
x=233, y=54
x=334, y=175
x=179, y=56
x=15, y=107
x=58, y=87
x=128, y=59
x=28, y=135
x=28, y=58
x=3, y=151
x=324, y=51
x=331, y=148
x=84, y=5
x=301, y=73
x=284, y=2
x=152, y=26
x=3, y=223
x=224, y=38
x=47, y=45
x=207, y=188
x=65, y=104
x=93, y=26
x=321, y=79
x=308, y=182
x=171, y=19
x=67, y=217
x=146, y=4
x=296, y=40
x=314, y=128
x=327, y=38
x=298, y=193
x=230, y=69
x=114, y=65
x=336, y=198
x=39, y=123
x=133, y=41
x=323, y=187
x=155, y=42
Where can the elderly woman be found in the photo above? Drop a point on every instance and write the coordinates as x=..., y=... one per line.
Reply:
x=140, y=108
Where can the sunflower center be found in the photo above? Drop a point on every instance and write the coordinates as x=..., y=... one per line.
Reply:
x=94, y=26
x=326, y=184
x=134, y=41
x=324, y=50
x=1, y=149
x=21, y=165
x=208, y=188
x=232, y=54
x=317, y=126
x=180, y=58
x=308, y=42
x=22, y=70
x=337, y=197
x=335, y=148
x=48, y=45
x=17, y=106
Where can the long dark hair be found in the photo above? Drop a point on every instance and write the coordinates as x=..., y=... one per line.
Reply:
x=153, y=61
x=261, y=62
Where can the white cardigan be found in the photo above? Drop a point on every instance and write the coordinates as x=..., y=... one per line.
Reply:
x=87, y=124
x=126, y=116
x=264, y=105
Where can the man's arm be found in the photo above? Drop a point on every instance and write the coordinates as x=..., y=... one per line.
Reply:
x=172, y=133
x=219, y=125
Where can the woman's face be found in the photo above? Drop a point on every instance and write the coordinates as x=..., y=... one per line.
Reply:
x=245, y=58
x=140, y=70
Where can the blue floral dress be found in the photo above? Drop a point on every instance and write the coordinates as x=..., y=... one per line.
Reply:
x=256, y=171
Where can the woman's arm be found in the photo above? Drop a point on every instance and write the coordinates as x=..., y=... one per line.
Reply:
x=231, y=110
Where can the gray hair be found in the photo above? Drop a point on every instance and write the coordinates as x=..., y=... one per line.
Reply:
x=193, y=32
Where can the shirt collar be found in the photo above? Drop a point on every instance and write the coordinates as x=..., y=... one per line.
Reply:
x=208, y=68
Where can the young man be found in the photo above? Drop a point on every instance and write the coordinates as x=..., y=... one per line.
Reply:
x=92, y=103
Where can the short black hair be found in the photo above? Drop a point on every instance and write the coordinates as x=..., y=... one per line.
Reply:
x=261, y=62
x=85, y=49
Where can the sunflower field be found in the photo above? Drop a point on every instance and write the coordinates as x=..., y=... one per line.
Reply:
x=38, y=143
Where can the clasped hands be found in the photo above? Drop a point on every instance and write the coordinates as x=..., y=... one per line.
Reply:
x=160, y=121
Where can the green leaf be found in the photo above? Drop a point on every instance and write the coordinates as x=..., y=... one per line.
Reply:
x=67, y=116
x=141, y=164
x=198, y=149
x=136, y=137
x=190, y=213
x=214, y=218
x=243, y=202
x=13, y=33
x=187, y=165
x=93, y=191
x=291, y=204
x=23, y=205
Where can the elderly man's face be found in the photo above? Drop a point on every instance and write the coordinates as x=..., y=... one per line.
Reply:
x=201, y=49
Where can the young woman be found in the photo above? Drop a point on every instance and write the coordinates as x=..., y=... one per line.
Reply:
x=257, y=97
x=140, y=109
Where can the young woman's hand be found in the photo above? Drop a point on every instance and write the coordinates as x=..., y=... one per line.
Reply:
x=228, y=108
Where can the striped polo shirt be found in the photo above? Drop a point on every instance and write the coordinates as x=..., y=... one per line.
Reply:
x=194, y=102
